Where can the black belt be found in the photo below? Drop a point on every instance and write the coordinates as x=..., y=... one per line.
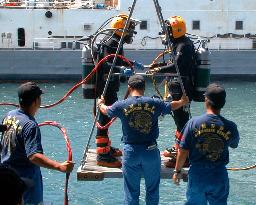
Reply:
x=142, y=143
x=150, y=145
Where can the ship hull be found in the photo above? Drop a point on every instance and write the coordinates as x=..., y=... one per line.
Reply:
x=66, y=65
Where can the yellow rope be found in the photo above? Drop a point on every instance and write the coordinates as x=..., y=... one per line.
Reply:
x=154, y=80
x=160, y=55
x=156, y=87
x=166, y=92
x=242, y=168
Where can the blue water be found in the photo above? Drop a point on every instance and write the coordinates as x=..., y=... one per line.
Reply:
x=76, y=115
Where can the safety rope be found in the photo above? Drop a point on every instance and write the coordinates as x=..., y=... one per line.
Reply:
x=161, y=54
x=69, y=150
x=156, y=87
x=153, y=78
x=9, y=104
x=242, y=168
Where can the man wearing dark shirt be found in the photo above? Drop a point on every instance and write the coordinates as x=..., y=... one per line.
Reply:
x=206, y=139
x=139, y=117
x=21, y=148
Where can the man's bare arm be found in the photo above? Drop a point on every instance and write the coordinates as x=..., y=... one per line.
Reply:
x=43, y=161
x=179, y=103
x=181, y=158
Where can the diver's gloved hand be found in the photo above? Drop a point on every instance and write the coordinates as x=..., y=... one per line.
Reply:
x=138, y=66
x=153, y=70
x=127, y=72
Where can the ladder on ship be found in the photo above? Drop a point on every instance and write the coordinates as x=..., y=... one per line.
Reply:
x=88, y=170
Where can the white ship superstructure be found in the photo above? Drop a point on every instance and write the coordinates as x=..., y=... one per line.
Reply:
x=39, y=37
x=57, y=24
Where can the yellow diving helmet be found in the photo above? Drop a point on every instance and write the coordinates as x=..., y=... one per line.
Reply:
x=177, y=26
x=119, y=22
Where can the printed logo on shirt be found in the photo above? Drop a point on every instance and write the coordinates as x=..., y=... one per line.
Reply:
x=210, y=140
x=8, y=137
x=140, y=117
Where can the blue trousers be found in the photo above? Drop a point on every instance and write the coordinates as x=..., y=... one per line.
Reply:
x=207, y=185
x=138, y=161
x=34, y=194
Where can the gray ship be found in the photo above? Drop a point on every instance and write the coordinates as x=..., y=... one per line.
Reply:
x=39, y=38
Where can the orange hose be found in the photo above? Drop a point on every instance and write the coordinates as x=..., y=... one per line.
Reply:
x=64, y=133
x=85, y=80
x=9, y=104
x=242, y=168
x=104, y=127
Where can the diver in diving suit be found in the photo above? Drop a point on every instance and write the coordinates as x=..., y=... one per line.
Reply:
x=184, y=52
x=106, y=154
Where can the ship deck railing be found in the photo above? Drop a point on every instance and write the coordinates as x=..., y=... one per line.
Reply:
x=70, y=43
x=216, y=43
x=56, y=43
x=232, y=43
x=56, y=4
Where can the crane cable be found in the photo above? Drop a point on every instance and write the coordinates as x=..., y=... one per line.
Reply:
x=69, y=150
x=108, y=80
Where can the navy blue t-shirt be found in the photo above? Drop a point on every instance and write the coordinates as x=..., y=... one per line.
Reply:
x=207, y=138
x=139, y=117
x=21, y=140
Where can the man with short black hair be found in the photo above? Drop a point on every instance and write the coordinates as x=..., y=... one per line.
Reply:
x=20, y=145
x=139, y=117
x=205, y=139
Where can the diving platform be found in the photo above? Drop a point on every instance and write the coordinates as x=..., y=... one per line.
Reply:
x=92, y=172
